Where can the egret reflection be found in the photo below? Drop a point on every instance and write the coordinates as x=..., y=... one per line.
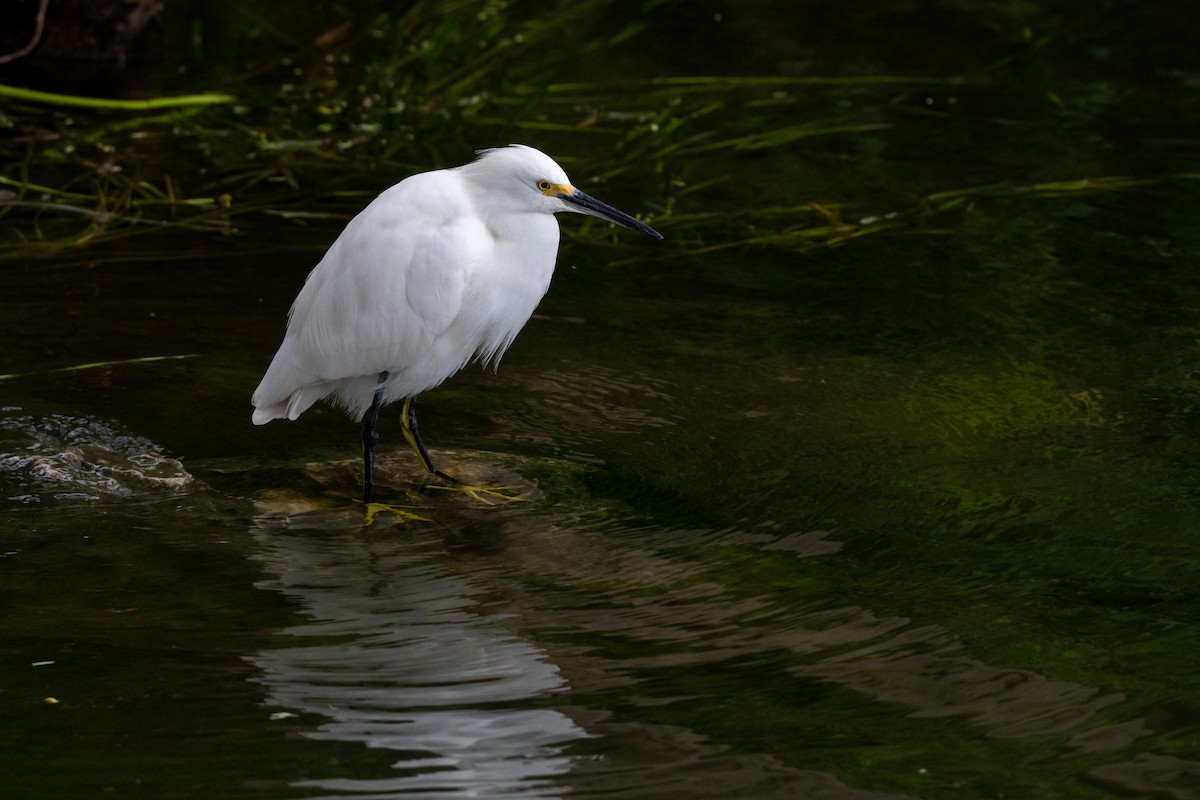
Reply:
x=402, y=656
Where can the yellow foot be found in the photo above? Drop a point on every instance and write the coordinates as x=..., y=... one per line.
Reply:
x=488, y=495
x=404, y=515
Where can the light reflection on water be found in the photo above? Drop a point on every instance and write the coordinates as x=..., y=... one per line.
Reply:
x=407, y=662
x=438, y=658
x=417, y=659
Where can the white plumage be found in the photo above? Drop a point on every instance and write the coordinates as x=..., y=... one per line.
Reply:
x=443, y=267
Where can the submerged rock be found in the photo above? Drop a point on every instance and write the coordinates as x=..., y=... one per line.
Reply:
x=79, y=458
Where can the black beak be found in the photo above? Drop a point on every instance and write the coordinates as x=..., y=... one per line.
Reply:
x=584, y=203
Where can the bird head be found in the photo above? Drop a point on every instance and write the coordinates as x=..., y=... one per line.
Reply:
x=534, y=180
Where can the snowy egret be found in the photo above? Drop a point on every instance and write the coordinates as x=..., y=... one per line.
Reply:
x=442, y=268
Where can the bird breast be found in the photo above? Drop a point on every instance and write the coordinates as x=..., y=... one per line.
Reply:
x=508, y=281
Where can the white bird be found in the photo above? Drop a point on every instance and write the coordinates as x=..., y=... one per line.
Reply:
x=442, y=268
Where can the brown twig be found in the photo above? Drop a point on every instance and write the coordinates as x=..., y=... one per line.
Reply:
x=39, y=24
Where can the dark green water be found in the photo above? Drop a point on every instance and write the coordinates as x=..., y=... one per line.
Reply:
x=911, y=514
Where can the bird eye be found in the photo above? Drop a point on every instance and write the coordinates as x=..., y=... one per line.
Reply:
x=543, y=186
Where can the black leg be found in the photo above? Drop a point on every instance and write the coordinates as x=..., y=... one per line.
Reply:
x=413, y=436
x=370, y=437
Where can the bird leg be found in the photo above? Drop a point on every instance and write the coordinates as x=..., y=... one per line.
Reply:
x=370, y=437
x=480, y=493
x=408, y=418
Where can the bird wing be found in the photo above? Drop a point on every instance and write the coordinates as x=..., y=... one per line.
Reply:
x=380, y=299
x=388, y=288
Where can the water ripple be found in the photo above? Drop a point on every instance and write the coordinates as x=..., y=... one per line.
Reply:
x=446, y=662
x=407, y=659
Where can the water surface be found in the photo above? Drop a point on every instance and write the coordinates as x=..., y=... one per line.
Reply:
x=911, y=514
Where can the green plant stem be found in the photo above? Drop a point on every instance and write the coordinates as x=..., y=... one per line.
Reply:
x=53, y=98
x=13, y=375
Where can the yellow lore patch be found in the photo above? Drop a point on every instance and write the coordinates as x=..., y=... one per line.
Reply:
x=554, y=189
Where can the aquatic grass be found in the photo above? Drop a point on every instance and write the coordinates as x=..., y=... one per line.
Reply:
x=1105, y=183
x=660, y=89
x=459, y=61
x=353, y=102
x=78, y=101
x=667, y=106
x=96, y=364
x=116, y=205
x=455, y=53
x=137, y=194
x=916, y=219
x=460, y=58
x=780, y=137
